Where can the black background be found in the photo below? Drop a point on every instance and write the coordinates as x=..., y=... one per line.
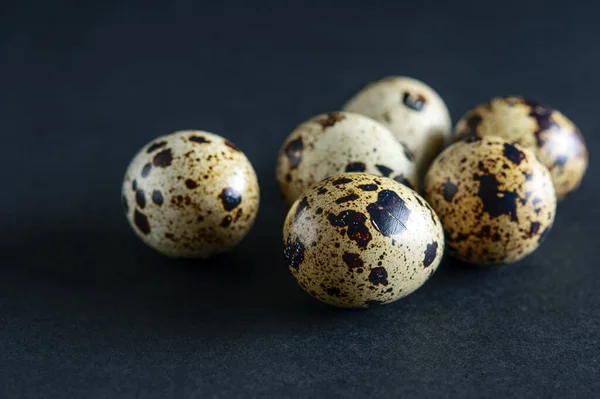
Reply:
x=86, y=310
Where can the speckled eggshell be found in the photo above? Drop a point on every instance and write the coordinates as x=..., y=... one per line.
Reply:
x=339, y=142
x=190, y=194
x=356, y=240
x=413, y=111
x=552, y=136
x=495, y=199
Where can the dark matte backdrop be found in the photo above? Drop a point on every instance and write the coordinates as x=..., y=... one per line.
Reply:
x=87, y=311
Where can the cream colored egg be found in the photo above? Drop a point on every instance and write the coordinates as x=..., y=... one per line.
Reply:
x=356, y=240
x=340, y=142
x=495, y=199
x=413, y=111
x=190, y=194
x=556, y=141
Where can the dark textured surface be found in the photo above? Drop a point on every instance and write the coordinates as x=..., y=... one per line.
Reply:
x=86, y=310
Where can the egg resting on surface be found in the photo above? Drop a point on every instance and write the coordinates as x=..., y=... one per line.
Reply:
x=495, y=199
x=190, y=194
x=356, y=240
x=553, y=137
x=413, y=111
x=339, y=142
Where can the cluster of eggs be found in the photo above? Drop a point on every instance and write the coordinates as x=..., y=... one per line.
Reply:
x=358, y=232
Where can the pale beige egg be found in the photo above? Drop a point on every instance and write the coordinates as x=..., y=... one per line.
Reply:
x=495, y=199
x=190, y=194
x=339, y=142
x=357, y=240
x=413, y=111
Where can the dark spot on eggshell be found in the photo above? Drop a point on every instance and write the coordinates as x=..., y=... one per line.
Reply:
x=408, y=153
x=232, y=146
x=384, y=170
x=355, y=222
x=163, y=158
x=334, y=291
x=170, y=237
x=378, y=275
x=157, y=197
x=470, y=132
x=199, y=139
x=226, y=221
x=141, y=222
x=322, y=191
x=543, y=117
x=125, y=204
x=330, y=119
x=403, y=180
x=191, y=184
x=430, y=253
x=450, y=190
x=368, y=187
x=373, y=302
x=352, y=260
x=349, y=197
x=355, y=167
x=389, y=214
x=230, y=198
x=134, y=185
x=302, y=206
x=496, y=237
x=146, y=170
x=288, y=177
x=497, y=202
x=140, y=198
x=294, y=253
x=319, y=211
x=293, y=150
x=513, y=153
x=155, y=146
x=534, y=228
x=341, y=180
x=416, y=102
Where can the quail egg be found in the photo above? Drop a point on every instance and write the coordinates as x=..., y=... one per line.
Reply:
x=190, y=194
x=552, y=136
x=356, y=240
x=413, y=111
x=495, y=199
x=338, y=142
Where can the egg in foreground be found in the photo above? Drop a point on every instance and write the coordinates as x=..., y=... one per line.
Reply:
x=339, y=142
x=495, y=199
x=556, y=141
x=190, y=194
x=413, y=111
x=356, y=240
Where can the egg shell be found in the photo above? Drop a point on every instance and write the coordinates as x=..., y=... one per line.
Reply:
x=190, y=194
x=356, y=240
x=556, y=141
x=339, y=142
x=411, y=110
x=495, y=199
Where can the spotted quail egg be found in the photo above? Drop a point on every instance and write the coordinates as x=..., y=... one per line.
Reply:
x=338, y=142
x=552, y=136
x=356, y=240
x=190, y=194
x=413, y=111
x=495, y=199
